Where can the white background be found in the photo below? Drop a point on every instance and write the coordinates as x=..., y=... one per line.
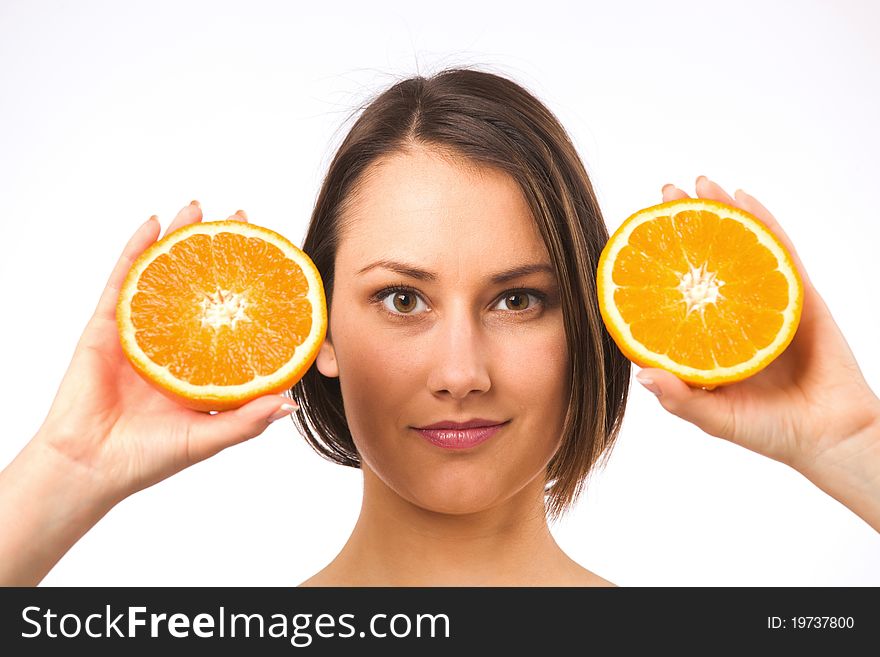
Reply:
x=111, y=112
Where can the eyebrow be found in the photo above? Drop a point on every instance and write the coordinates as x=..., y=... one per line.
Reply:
x=425, y=275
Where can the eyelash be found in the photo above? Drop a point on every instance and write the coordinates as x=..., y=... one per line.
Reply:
x=379, y=296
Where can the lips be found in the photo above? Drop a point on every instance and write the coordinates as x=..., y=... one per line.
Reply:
x=460, y=435
x=469, y=424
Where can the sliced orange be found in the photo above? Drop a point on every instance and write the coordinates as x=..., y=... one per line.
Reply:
x=701, y=289
x=218, y=313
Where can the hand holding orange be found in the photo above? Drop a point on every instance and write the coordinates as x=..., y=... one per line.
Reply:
x=218, y=313
x=699, y=288
x=115, y=422
x=809, y=406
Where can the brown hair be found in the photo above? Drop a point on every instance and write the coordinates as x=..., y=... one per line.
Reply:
x=488, y=120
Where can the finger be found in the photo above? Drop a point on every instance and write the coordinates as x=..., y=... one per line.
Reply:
x=239, y=215
x=706, y=409
x=143, y=237
x=213, y=433
x=754, y=207
x=190, y=214
x=711, y=190
x=673, y=193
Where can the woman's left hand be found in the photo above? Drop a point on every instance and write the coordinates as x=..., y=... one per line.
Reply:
x=811, y=408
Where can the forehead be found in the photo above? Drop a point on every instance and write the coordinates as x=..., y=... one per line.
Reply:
x=424, y=207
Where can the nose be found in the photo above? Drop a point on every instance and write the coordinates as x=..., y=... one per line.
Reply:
x=459, y=362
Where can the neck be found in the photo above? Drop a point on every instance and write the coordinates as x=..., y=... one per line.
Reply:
x=398, y=543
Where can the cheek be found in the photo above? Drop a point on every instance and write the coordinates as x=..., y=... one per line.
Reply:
x=536, y=367
x=377, y=375
x=533, y=379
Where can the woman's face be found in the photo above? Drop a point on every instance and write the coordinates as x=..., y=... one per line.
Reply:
x=421, y=333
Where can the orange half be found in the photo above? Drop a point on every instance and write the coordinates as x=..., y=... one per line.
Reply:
x=218, y=313
x=701, y=289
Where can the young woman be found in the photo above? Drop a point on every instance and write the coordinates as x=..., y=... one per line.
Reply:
x=457, y=235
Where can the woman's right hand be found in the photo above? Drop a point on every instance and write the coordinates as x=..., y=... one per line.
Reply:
x=123, y=431
x=107, y=435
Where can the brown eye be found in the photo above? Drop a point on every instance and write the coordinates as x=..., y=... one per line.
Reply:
x=401, y=302
x=404, y=302
x=520, y=301
x=517, y=301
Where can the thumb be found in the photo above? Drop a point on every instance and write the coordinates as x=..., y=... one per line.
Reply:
x=212, y=433
x=142, y=238
x=704, y=408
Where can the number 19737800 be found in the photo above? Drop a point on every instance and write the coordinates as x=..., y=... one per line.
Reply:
x=810, y=622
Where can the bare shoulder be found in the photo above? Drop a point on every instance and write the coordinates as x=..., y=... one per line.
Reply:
x=587, y=578
x=318, y=579
x=577, y=575
x=574, y=575
x=334, y=575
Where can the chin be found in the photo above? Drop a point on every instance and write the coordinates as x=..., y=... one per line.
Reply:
x=452, y=508
x=453, y=499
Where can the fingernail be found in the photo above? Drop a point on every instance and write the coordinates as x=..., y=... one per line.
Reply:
x=196, y=203
x=649, y=384
x=284, y=411
x=699, y=178
x=241, y=214
x=152, y=218
x=663, y=189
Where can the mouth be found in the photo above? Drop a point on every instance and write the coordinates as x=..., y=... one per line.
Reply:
x=462, y=436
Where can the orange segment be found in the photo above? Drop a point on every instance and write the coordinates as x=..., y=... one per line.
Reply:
x=696, y=230
x=219, y=313
x=658, y=240
x=634, y=268
x=699, y=288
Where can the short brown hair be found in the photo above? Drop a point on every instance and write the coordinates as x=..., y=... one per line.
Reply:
x=488, y=120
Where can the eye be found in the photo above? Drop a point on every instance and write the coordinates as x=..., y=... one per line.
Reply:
x=401, y=301
x=519, y=300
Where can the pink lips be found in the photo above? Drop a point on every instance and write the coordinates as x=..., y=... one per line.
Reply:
x=460, y=435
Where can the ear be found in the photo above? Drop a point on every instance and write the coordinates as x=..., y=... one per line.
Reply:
x=326, y=359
